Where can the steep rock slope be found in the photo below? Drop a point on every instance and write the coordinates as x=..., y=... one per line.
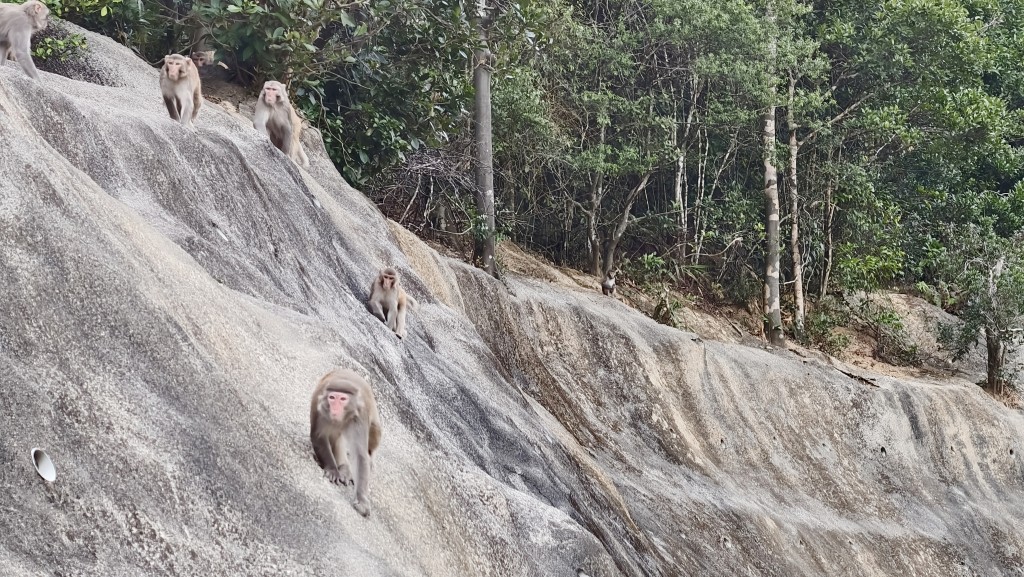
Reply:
x=168, y=299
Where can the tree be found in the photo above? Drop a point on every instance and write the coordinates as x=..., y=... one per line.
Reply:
x=482, y=61
x=990, y=280
x=772, y=295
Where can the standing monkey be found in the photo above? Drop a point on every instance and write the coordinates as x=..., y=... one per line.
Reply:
x=181, y=87
x=276, y=118
x=18, y=22
x=608, y=284
x=343, y=422
x=388, y=301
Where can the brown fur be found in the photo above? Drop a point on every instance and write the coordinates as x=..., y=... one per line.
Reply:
x=276, y=117
x=181, y=88
x=356, y=431
x=389, y=301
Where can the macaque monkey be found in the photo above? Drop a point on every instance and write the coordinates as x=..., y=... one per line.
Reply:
x=388, y=301
x=18, y=22
x=202, y=57
x=343, y=423
x=276, y=118
x=608, y=284
x=181, y=87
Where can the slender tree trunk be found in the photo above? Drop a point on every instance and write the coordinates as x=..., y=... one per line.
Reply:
x=620, y=229
x=700, y=189
x=593, y=242
x=994, y=345
x=996, y=351
x=830, y=212
x=593, y=213
x=483, y=136
x=682, y=188
x=794, y=215
x=681, y=200
x=772, y=303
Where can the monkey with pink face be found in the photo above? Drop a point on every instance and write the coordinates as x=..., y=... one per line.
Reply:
x=181, y=88
x=389, y=301
x=343, y=424
x=276, y=118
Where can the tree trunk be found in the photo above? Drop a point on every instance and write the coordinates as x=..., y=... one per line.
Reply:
x=794, y=214
x=483, y=137
x=994, y=345
x=593, y=242
x=682, y=188
x=681, y=201
x=772, y=306
x=620, y=229
x=830, y=212
x=996, y=350
x=593, y=213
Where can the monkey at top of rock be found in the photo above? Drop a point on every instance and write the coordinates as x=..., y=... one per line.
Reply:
x=18, y=22
x=276, y=118
x=181, y=88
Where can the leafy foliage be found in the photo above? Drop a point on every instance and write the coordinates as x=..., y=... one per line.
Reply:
x=988, y=279
x=56, y=44
x=629, y=134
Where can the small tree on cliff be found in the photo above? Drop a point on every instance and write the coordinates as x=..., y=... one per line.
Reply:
x=991, y=283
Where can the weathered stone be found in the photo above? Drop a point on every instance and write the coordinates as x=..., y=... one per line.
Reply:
x=168, y=299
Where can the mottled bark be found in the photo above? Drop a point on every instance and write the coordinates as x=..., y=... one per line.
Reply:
x=620, y=228
x=484, y=147
x=994, y=345
x=772, y=300
x=794, y=213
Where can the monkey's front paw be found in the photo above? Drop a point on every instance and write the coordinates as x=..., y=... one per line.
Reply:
x=339, y=476
x=363, y=508
x=345, y=475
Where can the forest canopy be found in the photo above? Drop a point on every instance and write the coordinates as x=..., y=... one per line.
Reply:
x=782, y=152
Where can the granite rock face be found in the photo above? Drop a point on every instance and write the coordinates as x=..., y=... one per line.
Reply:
x=169, y=297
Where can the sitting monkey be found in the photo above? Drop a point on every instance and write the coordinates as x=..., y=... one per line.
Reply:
x=388, y=301
x=276, y=118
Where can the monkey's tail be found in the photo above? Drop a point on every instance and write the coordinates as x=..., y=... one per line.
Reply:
x=303, y=159
x=413, y=303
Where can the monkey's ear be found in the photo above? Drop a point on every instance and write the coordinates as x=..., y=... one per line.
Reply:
x=38, y=8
